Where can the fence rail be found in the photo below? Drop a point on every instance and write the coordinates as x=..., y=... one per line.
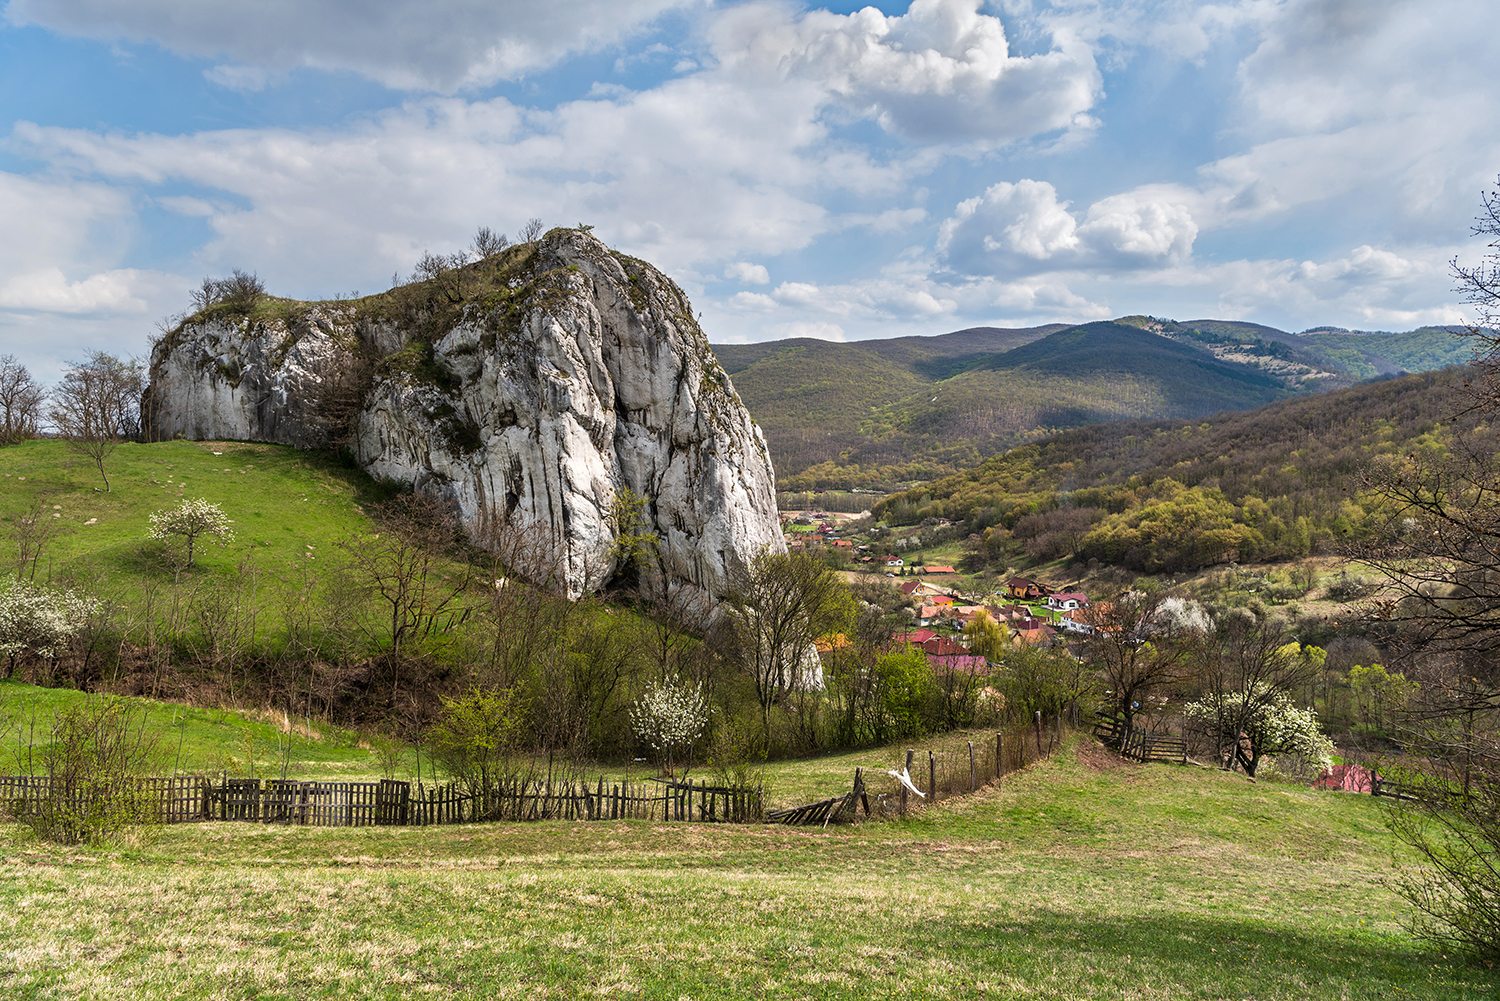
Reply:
x=183, y=799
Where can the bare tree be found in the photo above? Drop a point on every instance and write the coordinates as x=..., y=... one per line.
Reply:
x=98, y=405
x=21, y=399
x=240, y=291
x=782, y=604
x=1135, y=652
x=31, y=533
x=410, y=570
x=488, y=243
x=1439, y=554
x=532, y=231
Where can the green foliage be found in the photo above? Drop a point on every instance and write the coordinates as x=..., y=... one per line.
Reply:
x=905, y=686
x=476, y=737
x=1034, y=679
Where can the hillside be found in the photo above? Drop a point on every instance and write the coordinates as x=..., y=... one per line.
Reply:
x=879, y=413
x=1279, y=482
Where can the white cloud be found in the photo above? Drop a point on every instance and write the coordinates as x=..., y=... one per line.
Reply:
x=942, y=72
x=748, y=274
x=752, y=302
x=1021, y=227
x=49, y=291
x=438, y=45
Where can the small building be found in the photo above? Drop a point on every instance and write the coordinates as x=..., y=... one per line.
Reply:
x=1067, y=601
x=1024, y=587
x=939, y=570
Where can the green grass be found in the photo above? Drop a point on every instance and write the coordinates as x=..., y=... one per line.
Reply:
x=202, y=741
x=289, y=507
x=1074, y=881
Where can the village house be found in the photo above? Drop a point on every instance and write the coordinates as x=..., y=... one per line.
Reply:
x=1023, y=587
x=1067, y=601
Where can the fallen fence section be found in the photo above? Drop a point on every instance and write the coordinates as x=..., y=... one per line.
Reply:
x=826, y=811
x=389, y=802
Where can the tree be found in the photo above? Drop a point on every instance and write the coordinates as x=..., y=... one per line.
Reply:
x=409, y=570
x=1137, y=649
x=669, y=717
x=98, y=405
x=38, y=620
x=240, y=292
x=782, y=604
x=1251, y=670
x=488, y=243
x=21, y=399
x=1261, y=720
x=193, y=518
x=474, y=739
x=1436, y=545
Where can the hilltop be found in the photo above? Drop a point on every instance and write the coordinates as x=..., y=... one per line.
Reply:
x=883, y=412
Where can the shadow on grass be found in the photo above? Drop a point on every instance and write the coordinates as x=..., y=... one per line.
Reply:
x=1213, y=956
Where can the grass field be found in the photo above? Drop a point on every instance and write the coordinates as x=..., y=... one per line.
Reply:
x=1082, y=878
x=289, y=508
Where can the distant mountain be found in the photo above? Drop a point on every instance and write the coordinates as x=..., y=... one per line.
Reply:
x=883, y=412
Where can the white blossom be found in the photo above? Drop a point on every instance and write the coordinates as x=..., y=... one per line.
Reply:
x=39, y=619
x=669, y=717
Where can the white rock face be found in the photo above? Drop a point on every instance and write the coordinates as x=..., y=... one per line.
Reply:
x=536, y=416
x=229, y=379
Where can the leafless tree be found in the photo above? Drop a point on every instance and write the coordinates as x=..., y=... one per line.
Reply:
x=98, y=405
x=488, y=243
x=414, y=569
x=1438, y=552
x=532, y=231
x=239, y=291
x=31, y=532
x=21, y=399
x=1135, y=654
x=782, y=604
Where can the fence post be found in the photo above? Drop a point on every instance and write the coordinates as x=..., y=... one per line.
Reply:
x=999, y=759
x=931, y=778
x=1038, y=733
x=909, y=754
x=973, y=774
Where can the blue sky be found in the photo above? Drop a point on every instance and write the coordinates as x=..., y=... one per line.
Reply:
x=839, y=172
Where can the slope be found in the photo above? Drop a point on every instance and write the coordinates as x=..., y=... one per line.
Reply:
x=1285, y=477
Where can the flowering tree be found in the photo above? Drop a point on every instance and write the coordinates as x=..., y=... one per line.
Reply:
x=669, y=717
x=1261, y=720
x=38, y=619
x=192, y=518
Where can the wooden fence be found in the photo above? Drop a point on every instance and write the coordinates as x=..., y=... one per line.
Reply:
x=1138, y=742
x=388, y=802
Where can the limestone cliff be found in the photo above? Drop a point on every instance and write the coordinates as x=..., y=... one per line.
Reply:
x=534, y=389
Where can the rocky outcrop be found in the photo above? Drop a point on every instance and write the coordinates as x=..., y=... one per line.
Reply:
x=553, y=396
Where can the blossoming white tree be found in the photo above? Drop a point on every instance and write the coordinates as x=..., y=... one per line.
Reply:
x=38, y=619
x=194, y=517
x=669, y=717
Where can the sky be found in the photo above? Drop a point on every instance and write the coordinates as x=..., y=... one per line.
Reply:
x=838, y=171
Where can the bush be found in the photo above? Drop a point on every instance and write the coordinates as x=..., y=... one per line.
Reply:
x=475, y=740
x=240, y=292
x=99, y=749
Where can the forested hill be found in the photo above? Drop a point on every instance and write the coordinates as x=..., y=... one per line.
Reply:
x=1274, y=483
x=877, y=413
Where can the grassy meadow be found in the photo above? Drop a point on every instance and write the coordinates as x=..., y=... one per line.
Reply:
x=289, y=507
x=1081, y=878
